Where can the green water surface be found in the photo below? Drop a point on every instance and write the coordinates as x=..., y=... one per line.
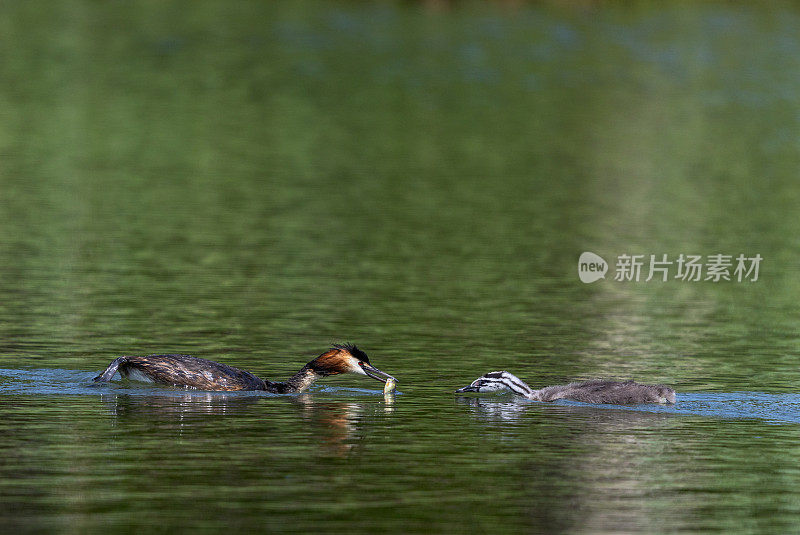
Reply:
x=250, y=182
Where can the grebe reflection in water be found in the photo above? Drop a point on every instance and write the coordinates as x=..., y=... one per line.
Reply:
x=596, y=391
x=193, y=372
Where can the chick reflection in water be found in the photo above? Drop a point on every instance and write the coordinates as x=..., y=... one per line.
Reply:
x=193, y=372
x=597, y=391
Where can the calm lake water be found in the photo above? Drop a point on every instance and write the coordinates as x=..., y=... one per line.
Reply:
x=251, y=182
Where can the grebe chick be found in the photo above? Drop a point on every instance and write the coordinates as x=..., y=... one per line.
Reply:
x=596, y=391
x=193, y=372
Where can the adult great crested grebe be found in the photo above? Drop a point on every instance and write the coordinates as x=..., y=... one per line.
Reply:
x=193, y=372
x=596, y=391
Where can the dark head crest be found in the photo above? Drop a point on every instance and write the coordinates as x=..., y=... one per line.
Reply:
x=353, y=350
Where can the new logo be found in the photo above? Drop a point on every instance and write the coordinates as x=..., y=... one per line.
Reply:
x=591, y=267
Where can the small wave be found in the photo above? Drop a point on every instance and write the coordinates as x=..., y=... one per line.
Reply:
x=771, y=408
x=49, y=381
x=774, y=408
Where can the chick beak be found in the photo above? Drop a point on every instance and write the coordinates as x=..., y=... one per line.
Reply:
x=375, y=373
x=466, y=389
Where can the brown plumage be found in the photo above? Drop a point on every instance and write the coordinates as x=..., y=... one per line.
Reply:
x=600, y=391
x=194, y=372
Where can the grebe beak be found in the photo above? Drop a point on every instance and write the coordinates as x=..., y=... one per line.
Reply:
x=466, y=389
x=375, y=373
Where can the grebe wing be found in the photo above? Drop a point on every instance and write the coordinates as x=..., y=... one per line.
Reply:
x=183, y=370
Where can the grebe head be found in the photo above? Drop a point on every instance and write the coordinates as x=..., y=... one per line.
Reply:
x=483, y=385
x=497, y=382
x=346, y=358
